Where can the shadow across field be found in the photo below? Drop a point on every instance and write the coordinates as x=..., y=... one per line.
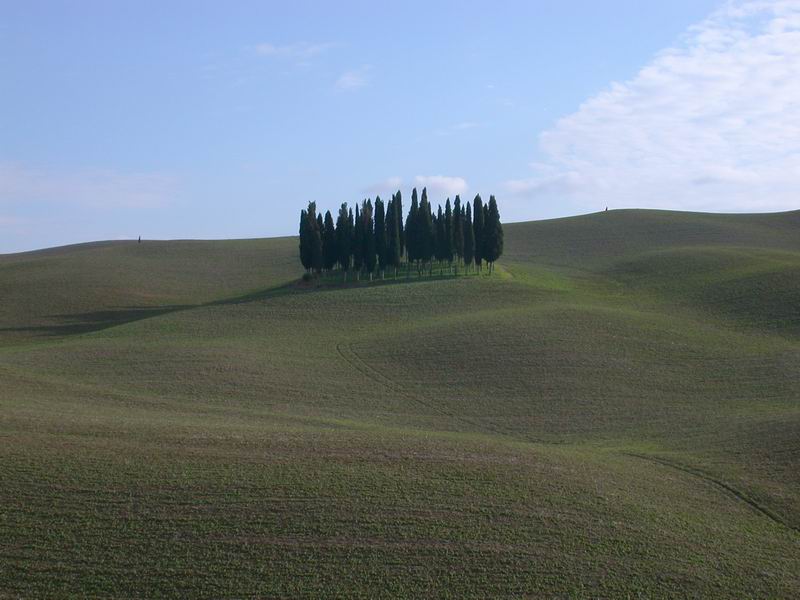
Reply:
x=79, y=323
x=62, y=325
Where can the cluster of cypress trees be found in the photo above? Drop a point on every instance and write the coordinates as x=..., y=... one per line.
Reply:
x=376, y=238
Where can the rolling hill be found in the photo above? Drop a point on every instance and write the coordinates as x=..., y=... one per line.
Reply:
x=615, y=413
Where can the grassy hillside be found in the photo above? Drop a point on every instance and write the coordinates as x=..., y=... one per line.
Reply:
x=81, y=288
x=614, y=414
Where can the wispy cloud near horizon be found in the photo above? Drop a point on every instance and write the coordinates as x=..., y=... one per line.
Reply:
x=387, y=186
x=712, y=123
x=354, y=79
x=296, y=50
x=441, y=185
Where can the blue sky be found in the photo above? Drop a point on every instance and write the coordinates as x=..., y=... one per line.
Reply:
x=218, y=120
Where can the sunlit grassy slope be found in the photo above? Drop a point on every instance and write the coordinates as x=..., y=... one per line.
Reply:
x=615, y=413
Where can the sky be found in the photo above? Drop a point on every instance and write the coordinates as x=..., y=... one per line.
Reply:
x=171, y=119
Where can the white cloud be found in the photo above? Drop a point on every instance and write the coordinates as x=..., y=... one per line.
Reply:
x=297, y=50
x=544, y=186
x=458, y=127
x=95, y=188
x=353, y=79
x=387, y=186
x=711, y=123
x=440, y=185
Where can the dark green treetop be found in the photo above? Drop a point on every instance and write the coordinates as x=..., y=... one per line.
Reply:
x=343, y=237
x=424, y=229
x=329, y=247
x=458, y=229
x=369, y=236
x=412, y=250
x=448, y=244
x=398, y=208
x=381, y=241
x=315, y=237
x=477, y=228
x=440, y=240
x=392, y=234
x=305, y=248
x=469, y=237
x=493, y=233
x=358, y=242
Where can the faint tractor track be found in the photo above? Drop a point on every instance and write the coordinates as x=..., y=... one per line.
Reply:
x=732, y=491
x=349, y=355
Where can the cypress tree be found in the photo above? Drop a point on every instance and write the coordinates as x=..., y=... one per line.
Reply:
x=305, y=254
x=435, y=241
x=388, y=226
x=373, y=239
x=398, y=207
x=392, y=235
x=412, y=253
x=369, y=237
x=483, y=235
x=357, y=243
x=436, y=244
x=425, y=233
x=458, y=231
x=315, y=237
x=448, y=233
x=381, y=243
x=351, y=230
x=493, y=237
x=329, y=247
x=343, y=239
x=441, y=238
x=469, y=238
x=477, y=228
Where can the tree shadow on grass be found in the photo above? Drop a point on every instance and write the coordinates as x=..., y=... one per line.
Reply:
x=78, y=323
x=336, y=281
x=63, y=325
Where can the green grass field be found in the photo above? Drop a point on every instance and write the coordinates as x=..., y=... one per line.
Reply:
x=615, y=414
